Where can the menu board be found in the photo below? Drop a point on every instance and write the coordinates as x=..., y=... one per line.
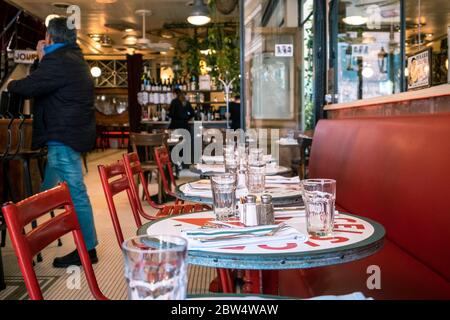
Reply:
x=419, y=70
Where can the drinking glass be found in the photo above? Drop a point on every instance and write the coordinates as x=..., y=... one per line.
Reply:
x=255, y=156
x=231, y=161
x=256, y=177
x=224, y=195
x=319, y=196
x=156, y=267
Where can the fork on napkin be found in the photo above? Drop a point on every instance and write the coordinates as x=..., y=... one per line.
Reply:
x=200, y=239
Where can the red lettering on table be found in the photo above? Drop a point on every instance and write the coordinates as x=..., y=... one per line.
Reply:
x=286, y=247
x=346, y=219
x=331, y=239
x=350, y=226
x=312, y=244
x=235, y=248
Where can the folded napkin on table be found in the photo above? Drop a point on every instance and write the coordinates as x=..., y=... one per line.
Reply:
x=219, y=168
x=193, y=236
x=283, y=180
x=204, y=191
x=280, y=213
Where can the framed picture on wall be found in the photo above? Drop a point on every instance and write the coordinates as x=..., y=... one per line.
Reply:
x=419, y=69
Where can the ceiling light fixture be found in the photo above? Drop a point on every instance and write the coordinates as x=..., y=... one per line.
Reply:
x=355, y=20
x=199, y=14
x=106, y=1
x=96, y=72
x=353, y=16
x=50, y=17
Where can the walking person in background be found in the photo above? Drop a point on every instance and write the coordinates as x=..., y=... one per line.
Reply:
x=64, y=121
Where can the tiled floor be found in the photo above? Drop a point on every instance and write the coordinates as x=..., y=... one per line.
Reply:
x=109, y=270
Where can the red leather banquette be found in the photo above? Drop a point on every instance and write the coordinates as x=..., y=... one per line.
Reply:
x=396, y=171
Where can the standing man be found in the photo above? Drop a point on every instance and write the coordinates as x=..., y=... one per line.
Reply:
x=64, y=121
x=235, y=113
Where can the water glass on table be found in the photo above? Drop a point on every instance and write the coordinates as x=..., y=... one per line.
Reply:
x=256, y=177
x=224, y=195
x=319, y=196
x=156, y=267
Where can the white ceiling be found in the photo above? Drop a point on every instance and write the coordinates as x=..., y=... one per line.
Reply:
x=96, y=15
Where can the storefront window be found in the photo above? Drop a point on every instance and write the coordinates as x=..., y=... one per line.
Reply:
x=307, y=78
x=368, y=49
x=427, y=35
x=273, y=52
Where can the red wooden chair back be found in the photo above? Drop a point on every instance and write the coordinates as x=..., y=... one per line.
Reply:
x=162, y=157
x=133, y=169
x=27, y=245
x=115, y=181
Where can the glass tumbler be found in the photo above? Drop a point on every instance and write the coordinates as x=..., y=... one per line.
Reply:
x=319, y=196
x=256, y=177
x=156, y=267
x=224, y=195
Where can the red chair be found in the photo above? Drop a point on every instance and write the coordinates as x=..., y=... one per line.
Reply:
x=115, y=181
x=133, y=169
x=26, y=246
x=164, y=164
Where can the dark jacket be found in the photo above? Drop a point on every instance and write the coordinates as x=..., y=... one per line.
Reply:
x=63, y=92
x=235, y=115
x=180, y=114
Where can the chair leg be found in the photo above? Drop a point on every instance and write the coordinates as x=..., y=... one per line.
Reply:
x=3, y=240
x=29, y=193
x=2, y=275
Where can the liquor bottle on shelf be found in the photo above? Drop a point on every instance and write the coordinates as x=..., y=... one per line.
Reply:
x=184, y=86
x=144, y=79
x=163, y=113
x=216, y=114
x=193, y=84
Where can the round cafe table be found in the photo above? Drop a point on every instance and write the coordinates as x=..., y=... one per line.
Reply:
x=282, y=196
x=278, y=170
x=353, y=238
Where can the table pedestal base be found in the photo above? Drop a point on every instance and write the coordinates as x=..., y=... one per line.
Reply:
x=261, y=281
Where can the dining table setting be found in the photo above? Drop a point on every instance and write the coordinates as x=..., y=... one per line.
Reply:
x=251, y=230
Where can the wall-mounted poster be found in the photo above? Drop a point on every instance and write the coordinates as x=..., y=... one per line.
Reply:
x=419, y=70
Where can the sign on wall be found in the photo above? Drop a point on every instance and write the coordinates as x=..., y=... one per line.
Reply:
x=25, y=56
x=284, y=50
x=419, y=70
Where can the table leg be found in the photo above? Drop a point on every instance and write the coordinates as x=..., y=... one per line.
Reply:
x=160, y=189
x=226, y=280
x=270, y=282
x=261, y=282
x=252, y=282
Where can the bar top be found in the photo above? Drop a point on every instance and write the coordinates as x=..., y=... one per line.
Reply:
x=433, y=92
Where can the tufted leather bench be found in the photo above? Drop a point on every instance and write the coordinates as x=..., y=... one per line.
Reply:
x=394, y=170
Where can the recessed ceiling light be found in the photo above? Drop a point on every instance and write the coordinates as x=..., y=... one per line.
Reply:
x=129, y=30
x=61, y=5
x=106, y=1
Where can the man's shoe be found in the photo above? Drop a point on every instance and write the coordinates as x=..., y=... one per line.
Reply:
x=73, y=259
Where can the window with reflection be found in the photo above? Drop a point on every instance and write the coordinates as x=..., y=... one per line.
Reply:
x=368, y=49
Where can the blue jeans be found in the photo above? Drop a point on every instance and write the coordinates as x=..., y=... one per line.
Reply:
x=64, y=165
